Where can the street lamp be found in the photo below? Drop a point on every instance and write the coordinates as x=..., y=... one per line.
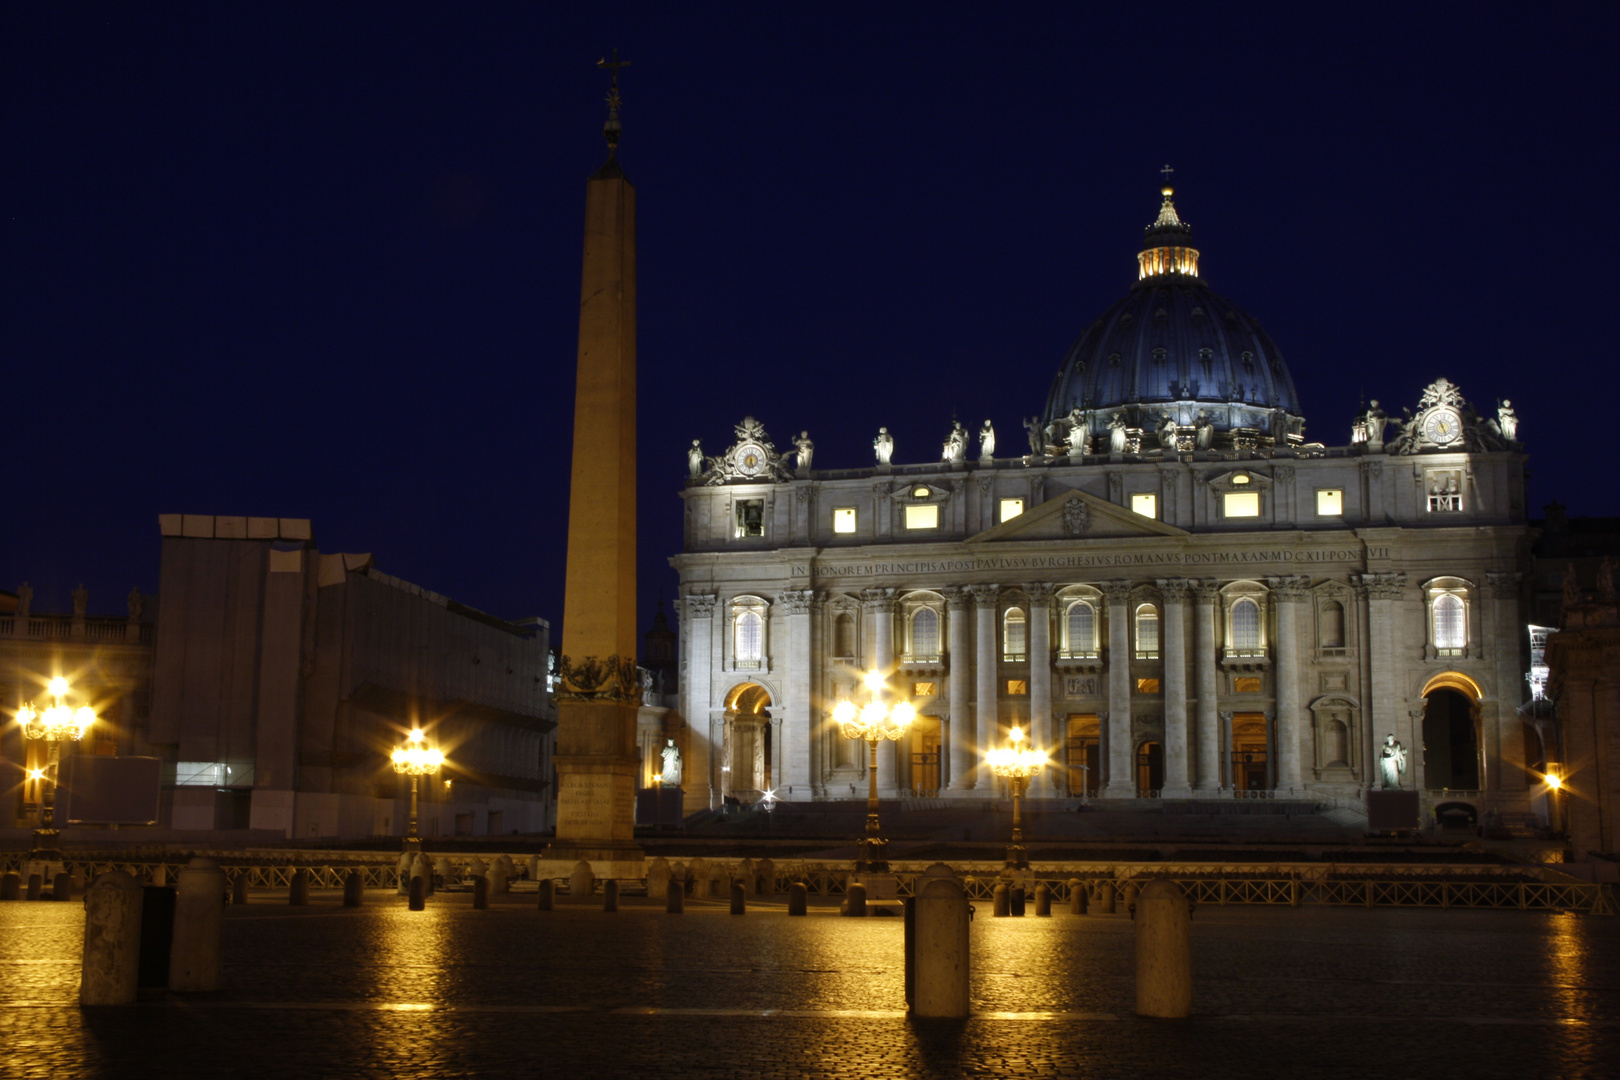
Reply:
x=1018, y=765
x=52, y=726
x=874, y=721
x=416, y=759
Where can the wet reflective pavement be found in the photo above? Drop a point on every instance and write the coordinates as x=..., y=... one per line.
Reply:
x=451, y=992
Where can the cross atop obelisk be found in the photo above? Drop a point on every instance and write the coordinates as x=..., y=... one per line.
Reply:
x=611, y=129
x=599, y=694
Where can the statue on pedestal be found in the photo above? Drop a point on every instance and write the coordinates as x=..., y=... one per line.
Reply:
x=1375, y=421
x=806, y=450
x=1391, y=763
x=1204, y=431
x=694, y=459
x=671, y=776
x=1168, y=431
x=1118, y=440
x=955, y=448
x=1507, y=420
x=987, y=442
x=1037, y=444
x=883, y=446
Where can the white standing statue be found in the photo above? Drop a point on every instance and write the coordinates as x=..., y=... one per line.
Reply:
x=694, y=459
x=955, y=447
x=883, y=446
x=1375, y=421
x=807, y=450
x=1507, y=420
x=1391, y=763
x=671, y=776
x=1118, y=438
x=987, y=442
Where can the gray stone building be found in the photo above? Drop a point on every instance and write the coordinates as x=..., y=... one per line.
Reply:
x=1165, y=582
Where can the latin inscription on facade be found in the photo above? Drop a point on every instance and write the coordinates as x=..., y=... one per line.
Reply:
x=1107, y=559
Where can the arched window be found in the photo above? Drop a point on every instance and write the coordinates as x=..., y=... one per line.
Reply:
x=1246, y=627
x=844, y=635
x=1080, y=626
x=1450, y=623
x=1332, y=625
x=1147, y=631
x=925, y=634
x=750, y=639
x=1015, y=635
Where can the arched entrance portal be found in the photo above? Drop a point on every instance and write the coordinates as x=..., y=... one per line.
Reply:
x=745, y=761
x=1451, y=734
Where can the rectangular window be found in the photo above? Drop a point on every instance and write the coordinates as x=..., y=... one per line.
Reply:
x=1147, y=686
x=1445, y=491
x=199, y=773
x=1246, y=684
x=843, y=519
x=922, y=517
x=750, y=518
x=923, y=689
x=1329, y=502
x=1240, y=504
x=1011, y=508
x=1017, y=687
x=1145, y=504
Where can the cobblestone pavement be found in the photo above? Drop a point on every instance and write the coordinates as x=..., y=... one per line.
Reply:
x=323, y=991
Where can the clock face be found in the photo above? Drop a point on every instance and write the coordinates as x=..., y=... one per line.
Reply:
x=750, y=459
x=1442, y=427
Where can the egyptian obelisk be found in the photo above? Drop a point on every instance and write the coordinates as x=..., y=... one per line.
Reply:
x=599, y=693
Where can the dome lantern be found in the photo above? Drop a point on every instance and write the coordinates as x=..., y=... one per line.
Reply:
x=1165, y=247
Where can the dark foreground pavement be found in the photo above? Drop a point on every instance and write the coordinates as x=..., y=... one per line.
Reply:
x=451, y=992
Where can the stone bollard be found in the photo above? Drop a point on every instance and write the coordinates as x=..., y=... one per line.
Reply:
x=62, y=886
x=477, y=868
x=1043, y=900
x=354, y=888
x=719, y=882
x=111, y=965
x=298, y=890
x=1105, y=905
x=855, y=900
x=739, y=898
x=10, y=885
x=441, y=869
x=423, y=868
x=697, y=876
x=406, y=861
x=940, y=955
x=744, y=875
x=497, y=881
x=658, y=876
x=581, y=883
x=610, y=895
x=1000, y=900
x=239, y=889
x=160, y=876
x=36, y=886
x=418, y=894
x=199, y=912
x=1077, y=896
x=548, y=892
x=798, y=898
x=1016, y=901
x=674, y=897
x=481, y=893
x=1130, y=894
x=1163, y=951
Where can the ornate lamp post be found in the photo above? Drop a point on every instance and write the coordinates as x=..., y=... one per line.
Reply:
x=1018, y=765
x=416, y=759
x=874, y=721
x=53, y=725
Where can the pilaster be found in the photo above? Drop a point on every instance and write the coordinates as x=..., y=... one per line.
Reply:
x=960, y=736
x=1121, y=782
x=1040, y=680
x=986, y=700
x=1174, y=592
x=1207, y=781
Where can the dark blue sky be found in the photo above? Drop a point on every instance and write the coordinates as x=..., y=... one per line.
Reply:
x=322, y=260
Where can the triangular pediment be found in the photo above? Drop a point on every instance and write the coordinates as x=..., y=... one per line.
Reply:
x=1074, y=515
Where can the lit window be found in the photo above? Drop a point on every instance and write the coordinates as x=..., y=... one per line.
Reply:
x=750, y=518
x=199, y=773
x=1445, y=491
x=1147, y=686
x=1081, y=628
x=1236, y=504
x=1246, y=684
x=925, y=633
x=923, y=689
x=1015, y=635
x=1011, y=508
x=920, y=493
x=1329, y=502
x=750, y=639
x=1017, y=687
x=922, y=517
x=1450, y=624
x=1246, y=626
x=1144, y=504
x=1241, y=479
x=1147, y=631
x=843, y=519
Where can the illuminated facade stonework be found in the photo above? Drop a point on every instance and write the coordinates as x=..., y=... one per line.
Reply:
x=1176, y=592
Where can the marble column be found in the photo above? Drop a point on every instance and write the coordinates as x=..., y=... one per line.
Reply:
x=797, y=714
x=1386, y=716
x=1504, y=758
x=959, y=628
x=1174, y=622
x=698, y=769
x=1288, y=592
x=986, y=703
x=1121, y=776
x=1040, y=683
x=1207, y=777
x=879, y=604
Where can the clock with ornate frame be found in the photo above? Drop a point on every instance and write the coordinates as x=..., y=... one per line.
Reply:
x=1442, y=426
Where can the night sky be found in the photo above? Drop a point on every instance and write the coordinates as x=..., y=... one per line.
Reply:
x=322, y=261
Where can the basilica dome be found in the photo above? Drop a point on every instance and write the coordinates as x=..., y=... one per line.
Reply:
x=1174, y=347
